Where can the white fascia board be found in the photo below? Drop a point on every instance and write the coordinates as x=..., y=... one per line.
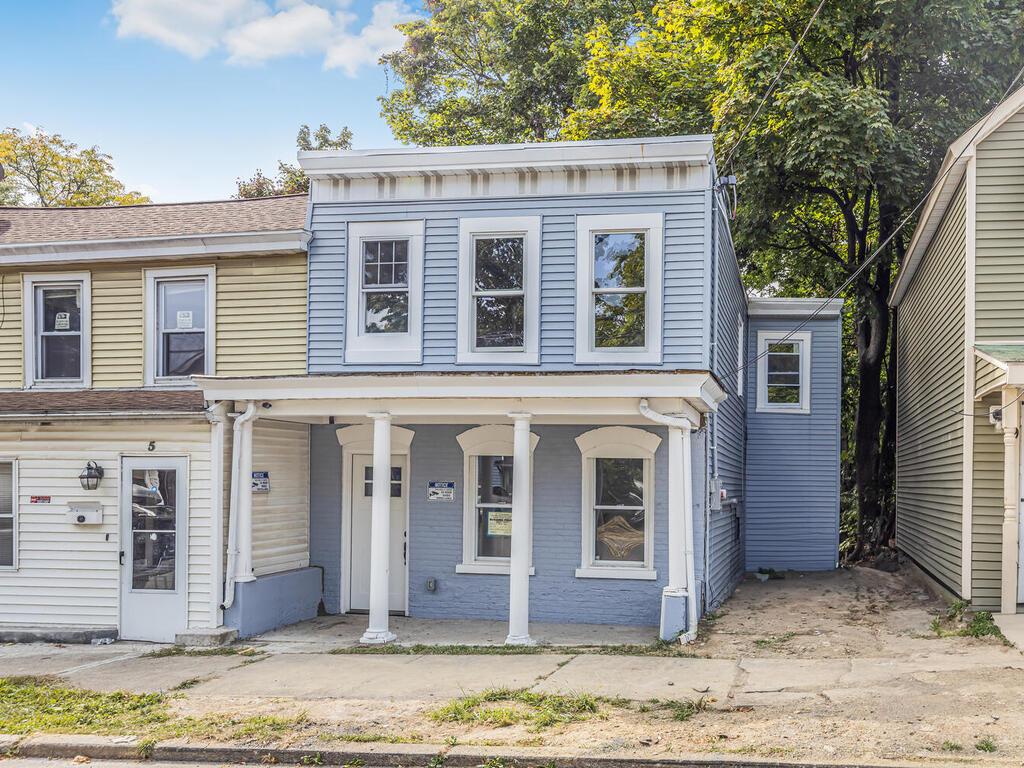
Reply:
x=199, y=246
x=793, y=307
x=103, y=415
x=696, y=387
x=413, y=161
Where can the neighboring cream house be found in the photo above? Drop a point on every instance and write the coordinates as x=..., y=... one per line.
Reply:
x=960, y=308
x=112, y=470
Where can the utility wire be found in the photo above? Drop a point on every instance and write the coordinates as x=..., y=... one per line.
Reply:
x=771, y=87
x=906, y=219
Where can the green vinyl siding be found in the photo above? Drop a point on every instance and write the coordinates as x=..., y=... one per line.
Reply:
x=930, y=440
x=986, y=375
x=987, y=509
x=1000, y=233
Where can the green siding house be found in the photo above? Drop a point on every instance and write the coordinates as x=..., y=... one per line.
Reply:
x=960, y=349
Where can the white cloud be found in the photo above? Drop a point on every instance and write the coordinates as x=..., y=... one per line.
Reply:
x=252, y=31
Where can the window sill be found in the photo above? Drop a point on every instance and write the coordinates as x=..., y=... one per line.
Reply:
x=507, y=358
x=384, y=355
x=495, y=569
x=59, y=384
x=782, y=411
x=638, y=574
x=613, y=356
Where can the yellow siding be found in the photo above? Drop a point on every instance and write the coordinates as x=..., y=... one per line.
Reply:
x=261, y=317
x=10, y=330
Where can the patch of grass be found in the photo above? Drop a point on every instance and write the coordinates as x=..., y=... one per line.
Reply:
x=657, y=648
x=315, y=758
x=370, y=737
x=985, y=745
x=220, y=650
x=774, y=641
x=500, y=707
x=30, y=704
x=192, y=682
x=960, y=622
x=684, y=709
x=952, y=746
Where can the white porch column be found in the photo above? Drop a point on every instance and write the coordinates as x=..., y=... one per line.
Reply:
x=244, y=566
x=519, y=565
x=377, y=632
x=681, y=570
x=1011, y=499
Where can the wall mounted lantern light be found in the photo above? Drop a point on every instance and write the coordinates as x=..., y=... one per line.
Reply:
x=91, y=476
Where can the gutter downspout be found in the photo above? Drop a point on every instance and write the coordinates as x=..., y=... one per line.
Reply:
x=217, y=415
x=236, y=450
x=680, y=429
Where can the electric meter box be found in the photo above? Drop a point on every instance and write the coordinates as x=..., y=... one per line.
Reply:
x=85, y=512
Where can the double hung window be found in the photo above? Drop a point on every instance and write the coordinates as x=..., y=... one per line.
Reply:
x=57, y=330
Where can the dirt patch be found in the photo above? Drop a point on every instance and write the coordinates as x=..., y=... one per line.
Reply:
x=850, y=613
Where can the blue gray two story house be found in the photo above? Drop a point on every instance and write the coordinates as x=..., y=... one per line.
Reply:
x=538, y=392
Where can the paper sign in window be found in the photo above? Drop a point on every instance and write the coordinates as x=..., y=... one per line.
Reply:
x=499, y=522
x=184, y=320
x=62, y=321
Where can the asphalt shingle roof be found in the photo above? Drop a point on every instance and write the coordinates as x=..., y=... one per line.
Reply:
x=46, y=225
x=86, y=401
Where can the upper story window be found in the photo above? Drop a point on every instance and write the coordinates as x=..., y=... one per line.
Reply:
x=179, y=323
x=499, y=269
x=57, y=323
x=487, y=514
x=618, y=494
x=618, y=288
x=385, y=287
x=783, y=372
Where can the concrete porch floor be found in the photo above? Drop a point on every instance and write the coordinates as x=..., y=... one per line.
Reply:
x=1012, y=627
x=327, y=632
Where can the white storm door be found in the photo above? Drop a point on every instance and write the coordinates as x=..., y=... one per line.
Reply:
x=359, y=552
x=154, y=548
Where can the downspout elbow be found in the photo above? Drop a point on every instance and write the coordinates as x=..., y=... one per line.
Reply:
x=680, y=422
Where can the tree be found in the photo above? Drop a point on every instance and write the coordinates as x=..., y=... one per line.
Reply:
x=47, y=170
x=290, y=179
x=845, y=146
x=495, y=71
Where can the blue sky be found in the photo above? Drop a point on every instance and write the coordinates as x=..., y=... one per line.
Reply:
x=187, y=95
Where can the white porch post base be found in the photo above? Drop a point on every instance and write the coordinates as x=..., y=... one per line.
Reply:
x=519, y=560
x=673, y=613
x=378, y=631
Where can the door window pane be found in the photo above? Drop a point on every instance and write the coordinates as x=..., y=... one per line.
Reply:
x=6, y=514
x=619, y=511
x=59, y=332
x=154, y=529
x=494, y=506
x=181, y=327
x=396, y=482
x=499, y=299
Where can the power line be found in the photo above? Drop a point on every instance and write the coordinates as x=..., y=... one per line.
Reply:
x=906, y=219
x=771, y=87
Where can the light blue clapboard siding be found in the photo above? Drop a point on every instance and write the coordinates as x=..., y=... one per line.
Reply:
x=435, y=535
x=726, y=541
x=683, y=267
x=792, y=489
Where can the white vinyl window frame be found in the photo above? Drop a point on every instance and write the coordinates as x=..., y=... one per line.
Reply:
x=587, y=227
x=489, y=440
x=13, y=515
x=30, y=284
x=362, y=347
x=470, y=230
x=616, y=443
x=803, y=342
x=151, y=314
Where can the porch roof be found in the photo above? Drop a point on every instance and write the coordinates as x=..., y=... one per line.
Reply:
x=93, y=403
x=471, y=396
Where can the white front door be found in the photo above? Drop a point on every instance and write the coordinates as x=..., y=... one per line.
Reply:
x=154, y=548
x=359, y=553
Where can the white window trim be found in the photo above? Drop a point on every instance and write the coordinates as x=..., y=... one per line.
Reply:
x=527, y=227
x=616, y=443
x=30, y=283
x=489, y=440
x=380, y=347
x=14, y=510
x=586, y=227
x=741, y=353
x=764, y=338
x=152, y=341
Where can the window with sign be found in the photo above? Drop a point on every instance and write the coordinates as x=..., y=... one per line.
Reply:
x=57, y=330
x=180, y=324
x=783, y=372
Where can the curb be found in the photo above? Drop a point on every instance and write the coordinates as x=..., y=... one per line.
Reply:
x=381, y=755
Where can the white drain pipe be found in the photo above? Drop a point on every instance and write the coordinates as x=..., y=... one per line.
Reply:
x=680, y=505
x=217, y=415
x=236, y=450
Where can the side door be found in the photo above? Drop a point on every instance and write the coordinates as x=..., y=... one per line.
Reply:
x=154, y=548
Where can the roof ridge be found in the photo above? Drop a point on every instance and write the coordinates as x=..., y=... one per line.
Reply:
x=149, y=205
